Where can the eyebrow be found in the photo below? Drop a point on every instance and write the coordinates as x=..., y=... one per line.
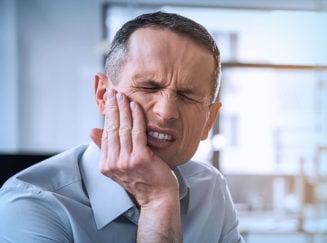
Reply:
x=151, y=82
x=186, y=91
x=159, y=85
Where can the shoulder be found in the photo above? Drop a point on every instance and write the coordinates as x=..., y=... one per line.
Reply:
x=203, y=176
x=52, y=180
x=195, y=169
x=33, y=199
x=32, y=210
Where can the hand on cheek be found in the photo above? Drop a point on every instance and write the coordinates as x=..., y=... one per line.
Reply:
x=125, y=156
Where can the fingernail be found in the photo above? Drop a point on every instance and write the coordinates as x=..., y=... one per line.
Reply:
x=111, y=94
x=119, y=97
x=132, y=105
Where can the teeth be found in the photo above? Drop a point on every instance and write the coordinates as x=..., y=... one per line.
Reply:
x=160, y=136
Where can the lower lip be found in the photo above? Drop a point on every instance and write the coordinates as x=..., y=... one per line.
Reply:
x=158, y=143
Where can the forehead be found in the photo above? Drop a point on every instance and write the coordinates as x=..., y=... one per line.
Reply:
x=167, y=53
x=151, y=39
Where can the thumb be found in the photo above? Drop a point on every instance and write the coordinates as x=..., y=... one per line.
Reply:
x=96, y=135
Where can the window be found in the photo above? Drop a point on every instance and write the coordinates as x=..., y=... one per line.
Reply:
x=273, y=89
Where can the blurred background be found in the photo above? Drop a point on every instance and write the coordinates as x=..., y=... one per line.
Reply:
x=271, y=137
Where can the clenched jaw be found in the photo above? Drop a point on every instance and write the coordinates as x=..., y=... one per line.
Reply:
x=160, y=136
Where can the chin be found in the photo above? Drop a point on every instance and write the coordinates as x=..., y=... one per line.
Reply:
x=173, y=162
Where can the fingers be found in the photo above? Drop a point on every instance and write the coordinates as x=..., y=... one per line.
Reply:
x=125, y=126
x=110, y=138
x=139, y=137
x=124, y=131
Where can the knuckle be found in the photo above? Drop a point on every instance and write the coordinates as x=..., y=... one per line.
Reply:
x=103, y=169
x=138, y=159
x=136, y=132
x=106, y=167
x=124, y=162
x=123, y=166
x=125, y=131
x=112, y=129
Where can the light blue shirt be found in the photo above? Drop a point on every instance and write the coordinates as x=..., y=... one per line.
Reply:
x=66, y=199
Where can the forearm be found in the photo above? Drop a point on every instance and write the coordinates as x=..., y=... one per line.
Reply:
x=160, y=222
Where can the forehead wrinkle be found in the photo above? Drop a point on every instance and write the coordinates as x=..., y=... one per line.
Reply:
x=180, y=74
x=174, y=77
x=165, y=61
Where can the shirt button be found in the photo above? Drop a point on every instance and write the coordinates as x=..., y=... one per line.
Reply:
x=130, y=213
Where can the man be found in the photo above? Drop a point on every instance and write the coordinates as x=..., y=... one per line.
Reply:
x=135, y=182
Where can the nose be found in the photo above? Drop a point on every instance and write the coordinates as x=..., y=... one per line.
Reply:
x=165, y=107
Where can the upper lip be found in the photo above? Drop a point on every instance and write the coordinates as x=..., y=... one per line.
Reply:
x=168, y=131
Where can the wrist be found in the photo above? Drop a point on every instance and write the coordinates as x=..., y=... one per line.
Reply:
x=166, y=201
x=162, y=199
x=160, y=220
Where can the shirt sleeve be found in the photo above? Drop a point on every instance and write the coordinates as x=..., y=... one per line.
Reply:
x=230, y=231
x=29, y=216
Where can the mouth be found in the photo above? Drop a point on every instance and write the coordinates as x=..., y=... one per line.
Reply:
x=160, y=138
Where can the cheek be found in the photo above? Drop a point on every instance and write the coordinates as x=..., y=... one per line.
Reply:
x=193, y=126
x=138, y=97
x=193, y=123
x=146, y=101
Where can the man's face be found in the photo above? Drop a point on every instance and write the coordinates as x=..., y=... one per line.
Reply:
x=169, y=76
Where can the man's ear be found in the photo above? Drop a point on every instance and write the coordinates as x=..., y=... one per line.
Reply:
x=100, y=91
x=213, y=113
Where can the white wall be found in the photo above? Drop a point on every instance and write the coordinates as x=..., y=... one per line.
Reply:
x=48, y=60
x=8, y=76
x=48, y=56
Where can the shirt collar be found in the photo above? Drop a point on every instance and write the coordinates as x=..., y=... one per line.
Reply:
x=184, y=190
x=108, y=199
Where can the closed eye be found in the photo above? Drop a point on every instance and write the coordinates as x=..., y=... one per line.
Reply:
x=149, y=89
x=189, y=98
x=149, y=86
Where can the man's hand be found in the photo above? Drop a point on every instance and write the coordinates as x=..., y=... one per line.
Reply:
x=126, y=158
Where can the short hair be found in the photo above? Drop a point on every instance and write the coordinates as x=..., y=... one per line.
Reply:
x=118, y=52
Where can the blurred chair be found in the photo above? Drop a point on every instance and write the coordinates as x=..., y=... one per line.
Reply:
x=10, y=164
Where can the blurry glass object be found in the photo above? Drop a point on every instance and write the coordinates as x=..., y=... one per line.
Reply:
x=273, y=108
x=273, y=119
